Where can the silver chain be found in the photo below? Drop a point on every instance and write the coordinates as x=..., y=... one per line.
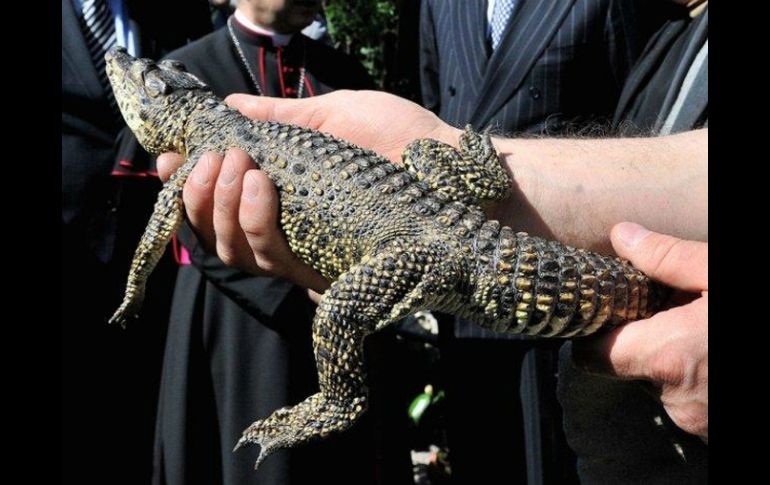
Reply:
x=300, y=86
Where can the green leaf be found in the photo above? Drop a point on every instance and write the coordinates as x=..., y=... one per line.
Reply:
x=418, y=406
x=359, y=26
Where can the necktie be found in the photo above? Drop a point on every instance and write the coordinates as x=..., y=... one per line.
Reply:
x=501, y=14
x=98, y=27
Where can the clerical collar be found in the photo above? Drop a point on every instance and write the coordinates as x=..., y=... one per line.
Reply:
x=279, y=40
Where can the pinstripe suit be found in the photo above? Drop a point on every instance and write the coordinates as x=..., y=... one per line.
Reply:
x=559, y=62
x=560, y=65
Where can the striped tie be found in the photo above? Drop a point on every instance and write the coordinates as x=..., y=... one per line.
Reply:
x=500, y=15
x=98, y=27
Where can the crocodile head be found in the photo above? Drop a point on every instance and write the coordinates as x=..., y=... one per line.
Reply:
x=155, y=98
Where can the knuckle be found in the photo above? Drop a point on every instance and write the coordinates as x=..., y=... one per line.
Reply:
x=668, y=367
x=664, y=256
x=257, y=233
x=659, y=256
x=264, y=263
x=226, y=255
x=691, y=419
x=257, y=239
x=222, y=205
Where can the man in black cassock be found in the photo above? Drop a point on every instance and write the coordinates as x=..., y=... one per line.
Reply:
x=239, y=346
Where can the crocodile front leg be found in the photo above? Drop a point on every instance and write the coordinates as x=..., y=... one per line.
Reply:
x=473, y=174
x=378, y=291
x=167, y=216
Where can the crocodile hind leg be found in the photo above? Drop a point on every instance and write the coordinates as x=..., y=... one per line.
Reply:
x=166, y=217
x=473, y=174
x=371, y=295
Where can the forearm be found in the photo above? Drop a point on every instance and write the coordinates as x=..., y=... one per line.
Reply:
x=576, y=190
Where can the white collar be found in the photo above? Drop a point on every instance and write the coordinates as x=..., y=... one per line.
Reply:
x=279, y=40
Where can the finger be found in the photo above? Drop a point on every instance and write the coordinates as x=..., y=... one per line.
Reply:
x=265, y=108
x=198, y=197
x=302, y=112
x=645, y=349
x=168, y=163
x=259, y=220
x=258, y=214
x=670, y=260
x=255, y=107
x=232, y=247
x=314, y=296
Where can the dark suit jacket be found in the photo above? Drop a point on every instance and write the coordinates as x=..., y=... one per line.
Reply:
x=560, y=65
x=110, y=377
x=653, y=85
x=559, y=62
x=90, y=132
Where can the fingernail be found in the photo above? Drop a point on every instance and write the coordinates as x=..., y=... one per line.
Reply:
x=632, y=234
x=250, y=188
x=202, y=171
x=228, y=171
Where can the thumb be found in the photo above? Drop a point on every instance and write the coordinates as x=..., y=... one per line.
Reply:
x=675, y=262
x=284, y=110
x=255, y=107
x=167, y=164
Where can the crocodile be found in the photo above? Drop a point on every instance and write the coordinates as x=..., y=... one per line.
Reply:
x=393, y=240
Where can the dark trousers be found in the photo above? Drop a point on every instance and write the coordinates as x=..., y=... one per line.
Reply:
x=110, y=376
x=504, y=423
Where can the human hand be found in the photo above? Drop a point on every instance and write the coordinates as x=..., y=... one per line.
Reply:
x=373, y=120
x=670, y=350
x=234, y=208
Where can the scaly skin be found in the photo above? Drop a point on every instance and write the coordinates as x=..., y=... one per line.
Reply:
x=393, y=241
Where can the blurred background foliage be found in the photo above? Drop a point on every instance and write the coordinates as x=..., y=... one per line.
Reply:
x=364, y=33
x=383, y=35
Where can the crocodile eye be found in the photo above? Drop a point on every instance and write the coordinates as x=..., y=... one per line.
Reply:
x=173, y=64
x=155, y=86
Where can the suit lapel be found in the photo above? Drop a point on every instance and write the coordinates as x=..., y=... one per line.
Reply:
x=468, y=27
x=75, y=52
x=526, y=37
x=649, y=59
x=695, y=39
